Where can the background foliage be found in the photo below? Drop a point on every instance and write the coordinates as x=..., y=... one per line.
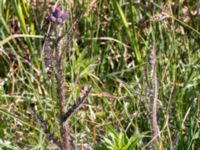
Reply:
x=110, y=50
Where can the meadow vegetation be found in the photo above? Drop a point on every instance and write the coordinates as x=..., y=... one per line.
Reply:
x=135, y=64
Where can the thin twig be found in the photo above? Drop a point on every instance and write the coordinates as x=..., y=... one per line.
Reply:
x=46, y=128
x=77, y=105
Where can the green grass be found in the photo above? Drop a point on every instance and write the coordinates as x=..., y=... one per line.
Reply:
x=110, y=50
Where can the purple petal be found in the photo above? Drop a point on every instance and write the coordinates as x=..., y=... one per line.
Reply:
x=52, y=18
x=64, y=15
x=56, y=11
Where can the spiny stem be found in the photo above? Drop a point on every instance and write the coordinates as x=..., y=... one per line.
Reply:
x=63, y=44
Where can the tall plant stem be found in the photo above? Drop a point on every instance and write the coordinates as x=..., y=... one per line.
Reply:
x=63, y=44
x=154, y=97
x=60, y=79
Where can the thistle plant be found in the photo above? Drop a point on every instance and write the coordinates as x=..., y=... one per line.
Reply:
x=56, y=56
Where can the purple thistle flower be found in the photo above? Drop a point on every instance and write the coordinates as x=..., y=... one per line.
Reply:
x=57, y=15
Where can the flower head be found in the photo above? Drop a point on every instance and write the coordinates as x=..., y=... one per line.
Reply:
x=58, y=15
